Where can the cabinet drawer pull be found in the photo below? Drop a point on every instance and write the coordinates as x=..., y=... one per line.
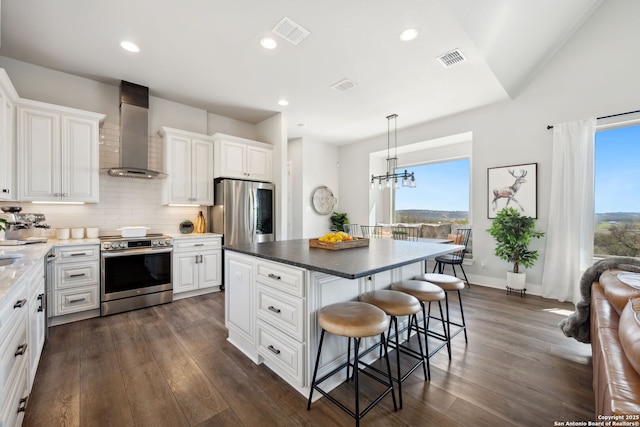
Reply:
x=22, y=406
x=273, y=350
x=77, y=275
x=275, y=276
x=22, y=349
x=40, y=298
x=275, y=310
x=20, y=304
x=79, y=254
x=198, y=244
x=72, y=301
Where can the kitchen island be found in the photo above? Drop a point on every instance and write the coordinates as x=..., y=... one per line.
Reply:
x=274, y=290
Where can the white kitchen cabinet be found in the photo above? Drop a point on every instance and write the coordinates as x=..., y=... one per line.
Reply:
x=242, y=158
x=22, y=332
x=240, y=300
x=76, y=287
x=8, y=96
x=57, y=153
x=188, y=160
x=36, y=321
x=197, y=266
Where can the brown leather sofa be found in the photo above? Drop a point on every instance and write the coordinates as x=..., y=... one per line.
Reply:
x=615, y=345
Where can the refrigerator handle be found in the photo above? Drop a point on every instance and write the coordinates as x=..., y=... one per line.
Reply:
x=252, y=215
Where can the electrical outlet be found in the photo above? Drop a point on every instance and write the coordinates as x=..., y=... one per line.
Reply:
x=483, y=263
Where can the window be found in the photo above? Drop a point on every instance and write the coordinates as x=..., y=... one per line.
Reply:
x=441, y=195
x=617, y=192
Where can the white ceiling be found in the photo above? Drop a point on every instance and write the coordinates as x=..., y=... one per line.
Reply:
x=206, y=53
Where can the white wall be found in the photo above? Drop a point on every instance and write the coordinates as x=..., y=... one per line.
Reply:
x=222, y=124
x=295, y=189
x=274, y=131
x=594, y=74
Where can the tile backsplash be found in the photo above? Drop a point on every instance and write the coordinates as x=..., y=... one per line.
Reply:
x=123, y=201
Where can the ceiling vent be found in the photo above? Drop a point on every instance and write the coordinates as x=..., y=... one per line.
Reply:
x=291, y=31
x=451, y=58
x=344, y=85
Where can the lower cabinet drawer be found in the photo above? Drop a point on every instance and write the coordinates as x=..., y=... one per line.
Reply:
x=283, y=311
x=282, y=351
x=76, y=274
x=76, y=299
x=13, y=350
x=14, y=403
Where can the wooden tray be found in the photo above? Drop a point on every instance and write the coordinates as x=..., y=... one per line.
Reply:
x=336, y=246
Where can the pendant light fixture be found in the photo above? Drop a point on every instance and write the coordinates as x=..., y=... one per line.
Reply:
x=391, y=178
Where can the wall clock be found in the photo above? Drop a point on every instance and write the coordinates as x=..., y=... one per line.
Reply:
x=322, y=200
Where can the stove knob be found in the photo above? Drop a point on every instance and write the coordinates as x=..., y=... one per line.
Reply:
x=167, y=242
x=160, y=242
x=154, y=243
x=123, y=245
x=106, y=246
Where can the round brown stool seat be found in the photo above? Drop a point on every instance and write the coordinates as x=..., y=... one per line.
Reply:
x=448, y=284
x=396, y=304
x=422, y=290
x=445, y=281
x=354, y=320
x=393, y=303
x=426, y=292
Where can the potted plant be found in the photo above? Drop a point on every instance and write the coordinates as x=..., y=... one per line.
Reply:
x=338, y=220
x=513, y=233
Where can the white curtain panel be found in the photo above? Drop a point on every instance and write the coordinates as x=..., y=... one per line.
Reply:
x=569, y=236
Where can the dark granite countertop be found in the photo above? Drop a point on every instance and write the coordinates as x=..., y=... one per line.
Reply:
x=380, y=255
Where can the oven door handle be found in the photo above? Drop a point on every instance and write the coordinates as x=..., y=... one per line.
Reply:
x=129, y=252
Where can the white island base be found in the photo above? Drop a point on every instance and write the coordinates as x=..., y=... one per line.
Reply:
x=271, y=313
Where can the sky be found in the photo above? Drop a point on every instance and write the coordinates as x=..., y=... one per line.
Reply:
x=440, y=186
x=617, y=170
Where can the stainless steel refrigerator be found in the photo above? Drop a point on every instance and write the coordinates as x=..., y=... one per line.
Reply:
x=244, y=211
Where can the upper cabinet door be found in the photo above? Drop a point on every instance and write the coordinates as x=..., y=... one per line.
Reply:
x=241, y=158
x=259, y=163
x=39, y=156
x=188, y=160
x=80, y=164
x=57, y=153
x=8, y=97
x=7, y=191
x=202, y=171
x=232, y=159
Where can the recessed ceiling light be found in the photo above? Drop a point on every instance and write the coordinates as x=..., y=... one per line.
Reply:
x=408, y=34
x=268, y=43
x=129, y=46
x=283, y=102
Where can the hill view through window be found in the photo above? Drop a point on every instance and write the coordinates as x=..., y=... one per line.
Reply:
x=441, y=195
x=617, y=192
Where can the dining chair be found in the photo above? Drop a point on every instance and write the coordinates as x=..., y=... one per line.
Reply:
x=371, y=231
x=352, y=230
x=456, y=258
x=401, y=232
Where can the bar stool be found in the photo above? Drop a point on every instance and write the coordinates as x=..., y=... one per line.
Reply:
x=354, y=320
x=425, y=293
x=397, y=304
x=448, y=284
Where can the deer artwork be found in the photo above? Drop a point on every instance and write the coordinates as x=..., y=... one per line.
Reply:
x=509, y=192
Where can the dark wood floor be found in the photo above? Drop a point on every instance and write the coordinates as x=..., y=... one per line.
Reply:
x=170, y=365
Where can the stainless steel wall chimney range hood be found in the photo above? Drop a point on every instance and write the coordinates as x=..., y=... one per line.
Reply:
x=134, y=137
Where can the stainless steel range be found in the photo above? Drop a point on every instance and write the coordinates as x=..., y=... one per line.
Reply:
x=135, y=272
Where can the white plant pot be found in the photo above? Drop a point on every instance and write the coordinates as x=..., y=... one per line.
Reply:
x=516, y=280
